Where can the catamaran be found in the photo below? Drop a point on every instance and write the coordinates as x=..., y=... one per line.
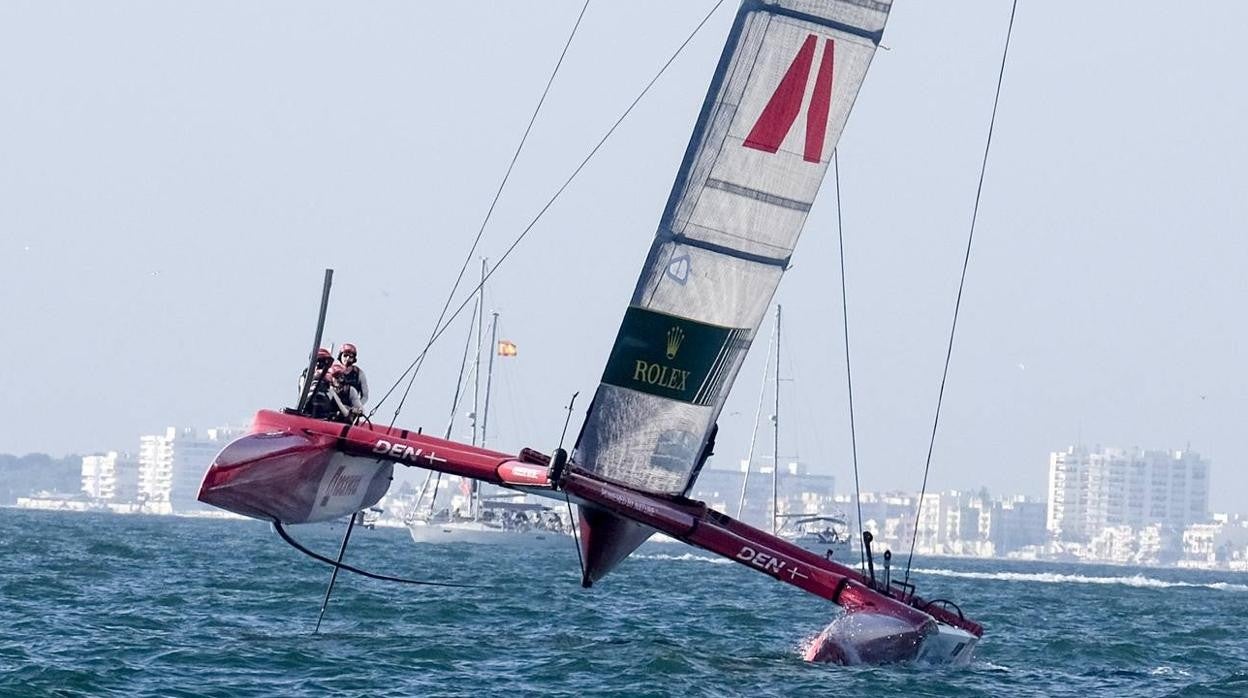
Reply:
x=778, y=101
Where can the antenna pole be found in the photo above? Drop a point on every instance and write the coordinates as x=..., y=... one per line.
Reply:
x=316, y=341
x=775, y=447
x=333, y=577
x=568, y=418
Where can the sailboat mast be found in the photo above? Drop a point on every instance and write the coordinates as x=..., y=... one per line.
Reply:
x=474, y=492
x=304, y=389
x=775, y=446
x=758, y=414
x=489, y=374
x=476, y=371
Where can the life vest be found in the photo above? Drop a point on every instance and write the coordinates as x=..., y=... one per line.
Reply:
x=351, y=377
x=320, y=405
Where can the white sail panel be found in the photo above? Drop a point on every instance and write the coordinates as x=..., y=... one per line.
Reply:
x=780, y=97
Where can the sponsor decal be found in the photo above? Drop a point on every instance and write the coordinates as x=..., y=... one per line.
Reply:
x=673, y=357
x=342, y=485
x=403, y=452
x=526, y=471
x=770, y=563
x=633, y=503
x=777, y=117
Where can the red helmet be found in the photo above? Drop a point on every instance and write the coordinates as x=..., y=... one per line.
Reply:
x=348, y=348
x=323, y=353
x=335, y=371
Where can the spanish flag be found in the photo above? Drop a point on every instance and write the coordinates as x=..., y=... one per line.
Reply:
x=506, y=348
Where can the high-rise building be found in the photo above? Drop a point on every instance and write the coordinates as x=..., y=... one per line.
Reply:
x=171, y=466
x=1094, y=490
x=1014, y=523
x=111, y=476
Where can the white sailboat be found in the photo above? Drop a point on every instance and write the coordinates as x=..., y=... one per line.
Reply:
x=502, y=518
x=818, y=531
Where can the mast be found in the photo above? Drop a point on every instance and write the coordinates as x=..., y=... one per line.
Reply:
x=476, y=371
x=474, y=492
x=775, y=446
x=304, y=389
x=489, y=374
x=758, y=414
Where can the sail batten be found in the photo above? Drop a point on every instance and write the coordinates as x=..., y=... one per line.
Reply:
x=775, y=109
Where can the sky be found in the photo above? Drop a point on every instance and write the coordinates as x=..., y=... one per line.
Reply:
x=175, y=177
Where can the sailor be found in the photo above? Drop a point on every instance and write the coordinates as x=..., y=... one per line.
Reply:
x=345, y=399
x=324, y=360
x=317, y=403
x=354, y=375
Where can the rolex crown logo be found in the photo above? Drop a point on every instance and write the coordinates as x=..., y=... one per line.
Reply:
x=674, y=337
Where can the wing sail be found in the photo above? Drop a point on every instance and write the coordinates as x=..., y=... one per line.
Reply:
x=780, y=97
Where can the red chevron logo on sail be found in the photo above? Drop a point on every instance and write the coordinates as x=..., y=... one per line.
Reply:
x=777, y=118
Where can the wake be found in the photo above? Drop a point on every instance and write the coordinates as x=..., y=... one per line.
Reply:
x=685, y=558
x=1138, y=580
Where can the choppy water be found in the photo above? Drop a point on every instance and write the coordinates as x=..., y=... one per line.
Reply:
x=110, y=605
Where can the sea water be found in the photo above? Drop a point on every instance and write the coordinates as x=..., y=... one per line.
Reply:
x=102, y=605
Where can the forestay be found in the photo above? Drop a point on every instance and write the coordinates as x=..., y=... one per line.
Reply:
x=780, y=97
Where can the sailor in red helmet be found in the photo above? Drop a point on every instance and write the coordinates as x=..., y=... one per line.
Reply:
x=323, y=360
x=344, y=397
x=353, y=375
x=316, y=401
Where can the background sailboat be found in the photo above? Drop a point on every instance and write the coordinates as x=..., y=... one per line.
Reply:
x=470, y=512
x=824, y=532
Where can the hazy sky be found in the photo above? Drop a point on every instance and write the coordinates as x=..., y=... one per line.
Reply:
x=175, y=176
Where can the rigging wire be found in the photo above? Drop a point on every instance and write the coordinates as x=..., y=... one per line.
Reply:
x=572, y=523
x=416, y=363
x=849, y=374
x=460, y=384
x=758, y=415
x=576, y=536
x=961, y=284
x=281, y=531
x=489, y=212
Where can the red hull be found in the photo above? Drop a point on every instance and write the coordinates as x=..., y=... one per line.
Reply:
x=294, y=469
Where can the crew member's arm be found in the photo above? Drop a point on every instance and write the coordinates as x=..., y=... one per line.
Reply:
x=343, y=409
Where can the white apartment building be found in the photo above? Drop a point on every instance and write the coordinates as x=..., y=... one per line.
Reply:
x=172, y=465
x=1220, y=543
x=798, y=490
x=1091, y=491
x=111, y=477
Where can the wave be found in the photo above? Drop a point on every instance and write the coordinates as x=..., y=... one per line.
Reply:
x=685, y=557
x=1137, y=580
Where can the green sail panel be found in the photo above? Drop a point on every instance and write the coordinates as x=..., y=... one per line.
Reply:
x=673, y=357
